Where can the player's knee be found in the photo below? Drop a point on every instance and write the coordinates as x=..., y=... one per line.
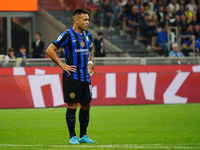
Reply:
x=85, y=106
x=72, y=105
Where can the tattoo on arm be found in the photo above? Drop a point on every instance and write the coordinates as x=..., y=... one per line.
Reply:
x=91, y=55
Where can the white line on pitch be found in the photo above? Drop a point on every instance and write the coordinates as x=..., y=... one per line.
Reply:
x=148, y=146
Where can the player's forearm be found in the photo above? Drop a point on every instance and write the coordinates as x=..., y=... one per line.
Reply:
x=91, y=59
x=52, y=54
x=91, y=55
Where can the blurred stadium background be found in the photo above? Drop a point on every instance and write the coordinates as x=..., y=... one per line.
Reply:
x=21, y=20
x=132, y=72
x=140, y=68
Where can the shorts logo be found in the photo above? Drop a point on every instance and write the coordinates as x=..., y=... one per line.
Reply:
x=72, y=95
x=90, y=88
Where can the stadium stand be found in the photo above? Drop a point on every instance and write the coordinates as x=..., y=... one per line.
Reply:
x=119, y=43
x=52, y=5
x=121, y=38
x=118, y=38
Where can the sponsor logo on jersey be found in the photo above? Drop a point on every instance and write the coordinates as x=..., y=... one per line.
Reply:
x=85, y=51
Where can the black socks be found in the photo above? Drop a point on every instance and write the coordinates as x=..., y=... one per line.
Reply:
x=84, y=120
x=71, y=121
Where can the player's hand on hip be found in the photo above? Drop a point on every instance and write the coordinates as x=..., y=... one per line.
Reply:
x=68, y=68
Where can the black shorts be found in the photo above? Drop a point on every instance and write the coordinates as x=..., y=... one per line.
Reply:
x=76, y=91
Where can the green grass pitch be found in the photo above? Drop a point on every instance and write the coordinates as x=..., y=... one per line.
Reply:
x=113, y=127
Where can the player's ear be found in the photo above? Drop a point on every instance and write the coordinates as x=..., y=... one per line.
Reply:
x=76, y=20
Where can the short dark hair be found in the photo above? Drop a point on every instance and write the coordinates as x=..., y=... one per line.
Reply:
x=164, y=25
x=189, y=24
x=23, y=46
x=11, y=49
x=100, y=33
x=38, y=33
x=80, y=11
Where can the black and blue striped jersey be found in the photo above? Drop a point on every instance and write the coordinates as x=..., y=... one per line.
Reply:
x=76, y=50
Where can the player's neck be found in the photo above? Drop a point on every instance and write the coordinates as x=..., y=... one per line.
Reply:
x=77, y=30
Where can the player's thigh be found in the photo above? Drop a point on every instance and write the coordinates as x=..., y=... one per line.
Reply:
x=86, y=93
x=71, y=90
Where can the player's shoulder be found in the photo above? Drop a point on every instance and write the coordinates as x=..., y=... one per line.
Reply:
x=67, y=32
x=62, y=37
x=64, y=34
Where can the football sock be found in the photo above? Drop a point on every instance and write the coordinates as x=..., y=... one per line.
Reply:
x=84, y=120
x=71, y=121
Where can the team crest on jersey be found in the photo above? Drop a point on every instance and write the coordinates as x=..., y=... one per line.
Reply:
x=87, y=38
x=59, y=38
x=82, y=44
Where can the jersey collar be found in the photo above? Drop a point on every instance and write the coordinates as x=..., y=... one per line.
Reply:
x=76, y=32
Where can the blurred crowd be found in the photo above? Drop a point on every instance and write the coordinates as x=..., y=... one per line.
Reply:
x=156, y=23
x=37, y=51
x=153, y=20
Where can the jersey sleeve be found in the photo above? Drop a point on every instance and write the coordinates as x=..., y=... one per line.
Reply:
x=62, y=40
